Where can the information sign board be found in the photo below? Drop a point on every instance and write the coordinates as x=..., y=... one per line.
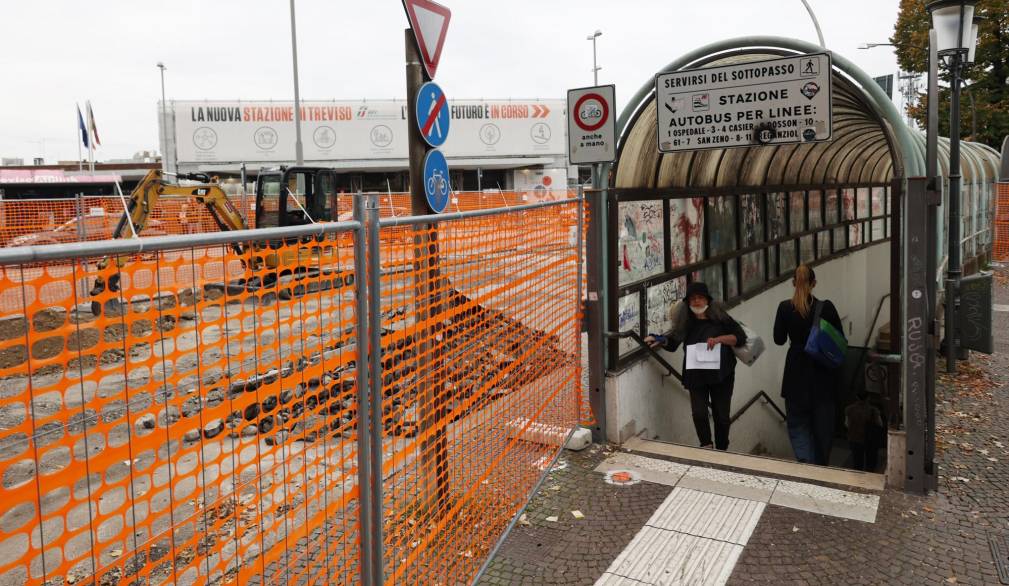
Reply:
x=775, y=101
x=592, y=127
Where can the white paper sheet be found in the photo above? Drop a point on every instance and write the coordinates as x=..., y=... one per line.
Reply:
x=700, y=358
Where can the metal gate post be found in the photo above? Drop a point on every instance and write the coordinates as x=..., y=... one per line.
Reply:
x=596, y=308
x=375, y=370
x=916, y=343
x=364, y=476
x=932, y=230
x=579, y=299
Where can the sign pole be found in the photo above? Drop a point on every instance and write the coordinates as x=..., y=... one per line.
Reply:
x=417, y=150
x=433, y=477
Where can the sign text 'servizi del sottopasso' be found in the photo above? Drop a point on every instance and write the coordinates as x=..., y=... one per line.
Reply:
x=778, y=101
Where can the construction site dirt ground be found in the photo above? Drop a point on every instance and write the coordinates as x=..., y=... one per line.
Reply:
x=578, y=524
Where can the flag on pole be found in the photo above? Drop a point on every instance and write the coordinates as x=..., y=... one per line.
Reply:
x=91, y=124
x=84, y=129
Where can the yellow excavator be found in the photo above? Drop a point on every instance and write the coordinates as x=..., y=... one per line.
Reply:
x=285, y=196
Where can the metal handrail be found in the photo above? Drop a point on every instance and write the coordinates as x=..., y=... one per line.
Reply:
x=673, y=372
x=753, y=400
x=641, y=342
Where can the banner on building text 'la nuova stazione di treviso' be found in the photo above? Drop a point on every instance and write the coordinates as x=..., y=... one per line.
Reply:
x=221, y=132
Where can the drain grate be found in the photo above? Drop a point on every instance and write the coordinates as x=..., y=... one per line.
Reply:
x=1000, y=553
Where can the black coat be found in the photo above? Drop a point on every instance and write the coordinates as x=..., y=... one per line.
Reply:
x=697, y=331
x=805, y=380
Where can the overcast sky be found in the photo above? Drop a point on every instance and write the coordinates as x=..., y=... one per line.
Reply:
x=54, y=53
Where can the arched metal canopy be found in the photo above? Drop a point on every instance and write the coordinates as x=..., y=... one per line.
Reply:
x=870, y=143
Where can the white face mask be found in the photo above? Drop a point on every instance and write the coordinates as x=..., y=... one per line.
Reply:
x=699, y=310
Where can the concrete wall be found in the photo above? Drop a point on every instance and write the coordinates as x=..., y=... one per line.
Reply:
x=640, y=401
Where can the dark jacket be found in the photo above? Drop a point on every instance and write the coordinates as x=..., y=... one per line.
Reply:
x=691, y=330
x=804, y=379
x=861, y=417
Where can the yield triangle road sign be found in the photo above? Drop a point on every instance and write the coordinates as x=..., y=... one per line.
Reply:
x=429, y=22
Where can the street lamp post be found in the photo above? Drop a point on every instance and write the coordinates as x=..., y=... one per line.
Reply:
x=595, y=67
x=816, y=23
x=298, y=152
x=953, y=21
x=164, y=122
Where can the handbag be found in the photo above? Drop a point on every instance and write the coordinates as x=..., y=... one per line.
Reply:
x=751, y=350
x=825, y=344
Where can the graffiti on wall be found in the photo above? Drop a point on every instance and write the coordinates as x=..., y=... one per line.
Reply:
x=661, y=299
x=752, y=210
x=687, y=221
x=628, y=318
x=639, y=245
x=722, y=240
x=848, y=203
x=778, y=226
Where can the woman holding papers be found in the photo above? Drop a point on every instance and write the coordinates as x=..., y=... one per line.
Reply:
x=708, y=334
x=807, y=386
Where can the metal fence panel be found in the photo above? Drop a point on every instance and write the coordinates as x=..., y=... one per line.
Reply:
x=481, y=372
x=196, y=423
x=196, y=409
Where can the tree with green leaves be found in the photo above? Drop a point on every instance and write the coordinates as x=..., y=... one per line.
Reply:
x=986, y=80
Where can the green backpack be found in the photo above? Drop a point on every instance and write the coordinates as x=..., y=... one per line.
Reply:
x=825, y=344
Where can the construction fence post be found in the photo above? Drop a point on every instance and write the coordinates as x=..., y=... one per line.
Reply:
x=364, y=418
x=374, y=355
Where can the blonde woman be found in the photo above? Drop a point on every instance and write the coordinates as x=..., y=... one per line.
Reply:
x=808, y=388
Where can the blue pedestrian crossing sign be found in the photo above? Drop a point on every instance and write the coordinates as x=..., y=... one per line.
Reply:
x=432, y=114
x=436, y=184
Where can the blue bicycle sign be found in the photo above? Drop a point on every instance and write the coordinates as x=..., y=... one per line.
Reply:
x=436, y=181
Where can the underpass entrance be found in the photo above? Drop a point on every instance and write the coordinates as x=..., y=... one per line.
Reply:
x=738, y=205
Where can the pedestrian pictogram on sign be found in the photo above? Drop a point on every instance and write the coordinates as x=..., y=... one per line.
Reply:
x=429, y=22
x=432, y=114
x=809, y=67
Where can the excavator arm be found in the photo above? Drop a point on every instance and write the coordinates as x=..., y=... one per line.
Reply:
x=144, y=199
x=152, y=188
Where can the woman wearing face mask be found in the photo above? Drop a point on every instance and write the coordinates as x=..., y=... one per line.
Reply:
x=707, y=324
x=808, y=387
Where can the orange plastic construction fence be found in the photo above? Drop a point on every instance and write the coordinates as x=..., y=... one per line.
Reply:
x=64, y=220
x=193, y=420
x=200, y=428
x=1001, y=247
x=481, y=382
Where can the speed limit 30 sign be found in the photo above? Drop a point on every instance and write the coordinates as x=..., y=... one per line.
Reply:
x=592, y=125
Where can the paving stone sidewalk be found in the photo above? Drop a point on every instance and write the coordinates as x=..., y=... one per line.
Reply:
x=939, y=539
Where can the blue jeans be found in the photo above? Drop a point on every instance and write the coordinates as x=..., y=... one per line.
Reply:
x=811, y=430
